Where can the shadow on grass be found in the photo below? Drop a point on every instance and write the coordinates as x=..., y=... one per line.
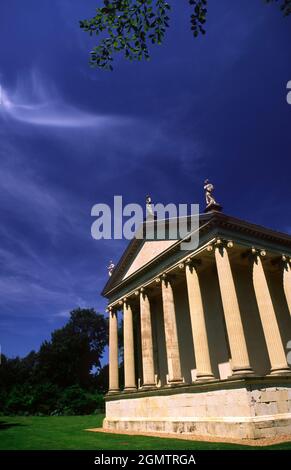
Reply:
x=5, y=425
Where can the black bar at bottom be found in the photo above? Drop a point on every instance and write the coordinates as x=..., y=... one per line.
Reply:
x=128, y=459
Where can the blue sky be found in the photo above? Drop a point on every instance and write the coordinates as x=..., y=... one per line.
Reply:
x=71, y=137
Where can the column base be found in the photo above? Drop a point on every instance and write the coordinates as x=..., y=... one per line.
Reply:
x=112, y=392
x=242, y=372
x=175, y=382
x=280, y=371
x=204, y=378
x=148, y=387
x=129, y=389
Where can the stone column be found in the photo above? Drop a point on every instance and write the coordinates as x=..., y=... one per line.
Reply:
x=129, y=364
x=236, y=338
x=287, y=284
x=172, y=346
x=268, y=318
x=146, y=341
x=199, y=333
x=113, y=352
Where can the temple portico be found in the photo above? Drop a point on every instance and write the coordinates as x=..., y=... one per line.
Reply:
x=205, y=333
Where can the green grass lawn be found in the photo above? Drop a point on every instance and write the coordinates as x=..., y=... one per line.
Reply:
x=68, y=432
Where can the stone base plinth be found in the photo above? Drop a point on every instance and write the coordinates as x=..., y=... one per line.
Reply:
x=241, y=409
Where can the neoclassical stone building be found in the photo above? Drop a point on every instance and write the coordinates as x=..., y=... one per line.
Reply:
x=205, y=333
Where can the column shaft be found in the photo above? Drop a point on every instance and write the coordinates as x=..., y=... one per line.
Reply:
x=113, y=353
x=199, y=332
x=129, y=362
x=172, y=346
x=269, y=321
x=146, y=341
x=287, y=285
x=235, y=332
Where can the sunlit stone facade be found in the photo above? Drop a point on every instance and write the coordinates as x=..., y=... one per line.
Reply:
x=205, y=333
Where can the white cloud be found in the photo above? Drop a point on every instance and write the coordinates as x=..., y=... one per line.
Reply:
x=36, y=101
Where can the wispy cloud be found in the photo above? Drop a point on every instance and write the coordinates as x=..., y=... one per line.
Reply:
x=36, y=101
x=49, y=263
x=37, y=284
x=32, y=199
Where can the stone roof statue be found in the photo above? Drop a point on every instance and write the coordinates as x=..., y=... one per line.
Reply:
x=149, y=207
x=211, y=203
x=110, y=268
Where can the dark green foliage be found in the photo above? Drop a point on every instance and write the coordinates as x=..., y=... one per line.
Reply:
x=285, y=5
x=74, y=349
x=48, y=399
x=198, y=17
x=131, y=26
x=14, y=371
x=59, y=378
x=76, y=401
x=31, y=399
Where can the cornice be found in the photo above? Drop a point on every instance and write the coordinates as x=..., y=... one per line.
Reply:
x=208, y=224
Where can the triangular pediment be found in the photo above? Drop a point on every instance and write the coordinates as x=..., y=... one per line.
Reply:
x=140, y=254
x=149, y=250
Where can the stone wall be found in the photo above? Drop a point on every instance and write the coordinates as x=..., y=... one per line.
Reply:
x=240, y=412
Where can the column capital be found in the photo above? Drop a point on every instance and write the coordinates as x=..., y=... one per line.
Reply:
x=128, y=301
x=283, y=262
x=253, y=253
x=112, y=309
x=286, y=260
x=144, y=291
x=193, y=262
x=220, y=243
x=166, y=277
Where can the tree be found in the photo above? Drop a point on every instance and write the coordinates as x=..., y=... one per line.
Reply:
x=60, y=377
x=130, y=26
x=101, y=379
x=17, y=370
x=75, y=349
